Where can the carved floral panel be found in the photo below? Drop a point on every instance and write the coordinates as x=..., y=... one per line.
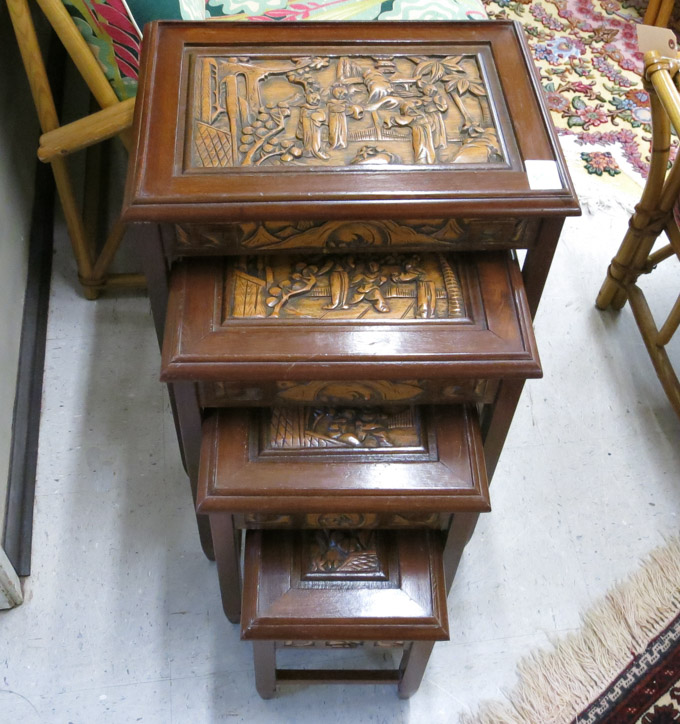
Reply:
x=328, y=111
x=399, y=286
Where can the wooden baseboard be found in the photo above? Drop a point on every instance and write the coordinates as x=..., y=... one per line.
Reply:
x=26, y=420
x=18, y=530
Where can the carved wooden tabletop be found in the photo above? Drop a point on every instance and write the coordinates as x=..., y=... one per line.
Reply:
x=342, y=120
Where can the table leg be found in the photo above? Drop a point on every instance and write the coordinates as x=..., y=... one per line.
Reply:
x=150, y=242
x=264, y=657
x=460, y=531
x=412, y=667
x=538, y=260
x=226, y=538
x=496, y=422
x=188, y=420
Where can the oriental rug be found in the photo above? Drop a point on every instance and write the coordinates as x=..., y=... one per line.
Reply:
x=622, y=667
x=586, y=52
x=590, y=68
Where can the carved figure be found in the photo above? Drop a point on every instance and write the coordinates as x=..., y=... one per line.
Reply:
x=339, y=283
x=351, y=283
x=343, y=427
x=434, y=105
x=426, y=293
x=422, y=137
x=350, y=426
x=366, y=282
x=278, y=112
x=341, y=286
x=312, y=119
x=337, y=117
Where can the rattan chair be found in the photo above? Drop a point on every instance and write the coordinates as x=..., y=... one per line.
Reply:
x=58, y=141
x=103, y=38
x=653, y=216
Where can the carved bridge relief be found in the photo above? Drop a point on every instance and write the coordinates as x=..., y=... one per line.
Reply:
x=341, y=111
x=292, y=428
x=399, y=286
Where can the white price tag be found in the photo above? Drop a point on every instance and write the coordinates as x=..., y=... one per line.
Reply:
x=660, y=39
x=543, y=175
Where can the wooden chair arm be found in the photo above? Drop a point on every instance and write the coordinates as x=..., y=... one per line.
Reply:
x=86, y=131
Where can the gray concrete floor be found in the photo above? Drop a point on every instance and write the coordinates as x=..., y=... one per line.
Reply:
x=122, y=620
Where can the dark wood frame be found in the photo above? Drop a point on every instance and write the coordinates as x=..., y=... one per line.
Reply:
x=160, y=189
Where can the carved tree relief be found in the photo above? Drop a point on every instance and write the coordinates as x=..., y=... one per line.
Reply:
x=340, y=111
x=337, y=553
x=398, y=286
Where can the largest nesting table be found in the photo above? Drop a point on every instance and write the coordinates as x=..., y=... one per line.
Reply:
x=329, y=216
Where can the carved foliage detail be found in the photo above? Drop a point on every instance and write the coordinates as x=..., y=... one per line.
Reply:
x=341, y=552
x=336, y=236
x=332, y=392
x=399, y=286
x=354, y=428
x=341, y=111
x=341, y=520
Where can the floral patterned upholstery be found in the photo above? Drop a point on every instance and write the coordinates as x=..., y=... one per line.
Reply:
x=112, y=28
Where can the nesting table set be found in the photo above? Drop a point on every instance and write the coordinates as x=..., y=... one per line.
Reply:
x=329, y=216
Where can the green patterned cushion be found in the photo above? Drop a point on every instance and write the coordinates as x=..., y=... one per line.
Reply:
x=112, y=28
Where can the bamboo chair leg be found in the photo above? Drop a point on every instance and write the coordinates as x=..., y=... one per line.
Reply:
x=49, y=120
x=75, y=226
x=664, y=14
x=622, y=271
x=670, y=326
x=109, y=250
x=658, y=13
x=662, y=365
x=652, y=216
x=651, y=213
x=651, y=12
x=95, y=191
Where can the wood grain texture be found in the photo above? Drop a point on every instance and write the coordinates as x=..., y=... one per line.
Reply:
x=343, y=286
x=488, y=336
x=238, y=474
x=335, y=110
x=87, y=131
x=165, y=185
x=399, y=594
x=357, y=393
x=285, y=236
x=355, y=521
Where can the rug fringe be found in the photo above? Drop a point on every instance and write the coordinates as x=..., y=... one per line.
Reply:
x=555, y=686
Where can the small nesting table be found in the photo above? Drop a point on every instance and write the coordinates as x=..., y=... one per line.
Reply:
x=328, y=216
